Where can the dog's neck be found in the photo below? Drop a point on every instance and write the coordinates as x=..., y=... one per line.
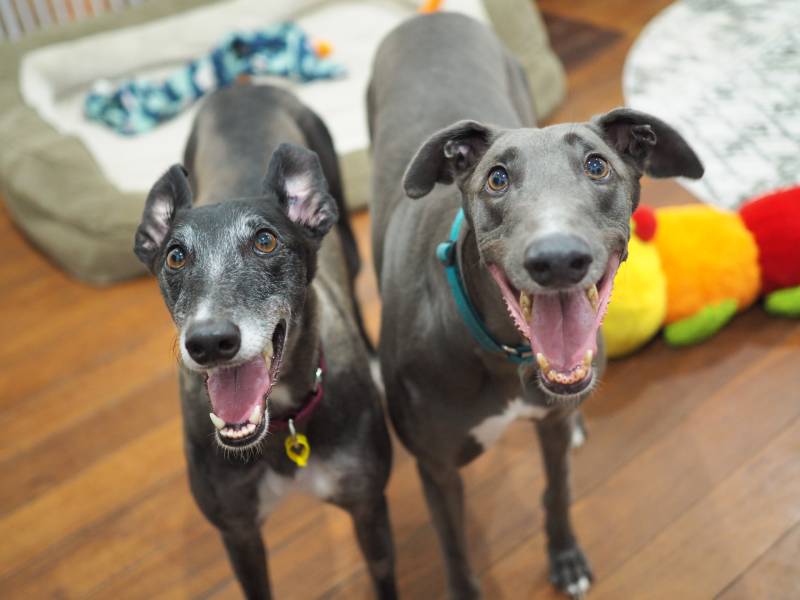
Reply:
x=300, y=361
x=484, y=293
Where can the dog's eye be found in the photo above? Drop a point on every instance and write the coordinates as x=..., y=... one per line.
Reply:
x=497, y=180
x=176, y=258
x=265, y=242
x=596, y=167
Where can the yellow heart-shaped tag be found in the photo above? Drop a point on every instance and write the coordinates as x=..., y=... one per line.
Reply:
x=297, y=449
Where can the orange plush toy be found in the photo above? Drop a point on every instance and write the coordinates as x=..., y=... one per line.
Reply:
x=714, y=263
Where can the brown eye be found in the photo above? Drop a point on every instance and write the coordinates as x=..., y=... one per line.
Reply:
x=176, y=258
x=596, y=167
x=265, y=242
x=497, y=180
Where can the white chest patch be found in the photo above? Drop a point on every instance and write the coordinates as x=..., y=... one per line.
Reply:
x=491, y=428
x=319, y=479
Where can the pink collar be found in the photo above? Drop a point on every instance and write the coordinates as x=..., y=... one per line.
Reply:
x=314, y=398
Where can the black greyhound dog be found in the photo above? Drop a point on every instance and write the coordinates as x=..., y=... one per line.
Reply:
x=260, y=286
x=495, y=284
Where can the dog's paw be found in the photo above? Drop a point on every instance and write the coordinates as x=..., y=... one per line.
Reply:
x=570, y=572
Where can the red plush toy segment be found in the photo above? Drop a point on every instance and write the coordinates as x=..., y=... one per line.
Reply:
x=644, y=219
x=774, y=221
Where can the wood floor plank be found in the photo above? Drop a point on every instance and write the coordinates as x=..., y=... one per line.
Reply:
x=775, y=575
x=85, y=558
x=613, y=14
x=74, y=448
x=366, y=284
x=74, y=398
x=576, y=41
x=66, y=509
x=61, y=317
x=59, y=360
x=717, y=538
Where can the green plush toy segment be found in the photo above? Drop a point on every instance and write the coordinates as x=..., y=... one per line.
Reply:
x=784, y=303
x=701, y=325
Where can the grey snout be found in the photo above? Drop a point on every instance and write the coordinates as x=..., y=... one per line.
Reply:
x=558, y=260
x=209, y=342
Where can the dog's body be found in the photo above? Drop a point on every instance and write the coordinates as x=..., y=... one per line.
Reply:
x=534, y=221
x=230, y=277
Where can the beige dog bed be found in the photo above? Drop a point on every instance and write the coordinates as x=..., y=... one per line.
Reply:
x=77, y=189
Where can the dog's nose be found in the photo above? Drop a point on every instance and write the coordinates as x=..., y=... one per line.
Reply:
x=211, y=341
x=558, y=260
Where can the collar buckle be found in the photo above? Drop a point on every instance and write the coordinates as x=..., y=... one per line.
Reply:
x=522, y=352
x=317, y=379
x=446, y=254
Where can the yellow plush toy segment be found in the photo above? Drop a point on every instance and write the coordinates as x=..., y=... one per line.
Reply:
x=639, y=300
x=707, y=256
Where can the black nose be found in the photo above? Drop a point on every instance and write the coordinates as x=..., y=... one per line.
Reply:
x=212, y=341
x=558, y=260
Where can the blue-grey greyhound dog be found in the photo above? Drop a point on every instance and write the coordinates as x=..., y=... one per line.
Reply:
x=501, y=321
x=260, y=285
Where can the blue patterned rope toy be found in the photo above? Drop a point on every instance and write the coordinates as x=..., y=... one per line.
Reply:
x=137, y=106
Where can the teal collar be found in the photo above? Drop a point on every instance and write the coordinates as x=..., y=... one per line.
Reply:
x=447, y=253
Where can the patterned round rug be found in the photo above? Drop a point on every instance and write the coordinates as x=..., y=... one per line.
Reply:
x=726, y=74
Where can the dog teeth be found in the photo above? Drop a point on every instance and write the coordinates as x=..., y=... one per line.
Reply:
x=526, y=304
x=238, y=432
x=255, y=416
x=218, y=423
x=594, y=297
x=269, y=352
x=587, y=359
x=543, y=364
x=574, y=376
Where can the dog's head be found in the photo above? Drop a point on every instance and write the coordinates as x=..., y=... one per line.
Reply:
x=550, y=209
x=234, y=277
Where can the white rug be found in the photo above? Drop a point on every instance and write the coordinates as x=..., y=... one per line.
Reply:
x=726, y=74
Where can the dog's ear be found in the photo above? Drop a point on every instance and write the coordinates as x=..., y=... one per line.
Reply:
x=648, y=143
x=446, y=156
x=295, y=176
x=170, y=194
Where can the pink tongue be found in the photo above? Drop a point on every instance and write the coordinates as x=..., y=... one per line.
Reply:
x=563, y=326
x=234, y=392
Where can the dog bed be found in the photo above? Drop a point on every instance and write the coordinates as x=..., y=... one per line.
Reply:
x=76, y=188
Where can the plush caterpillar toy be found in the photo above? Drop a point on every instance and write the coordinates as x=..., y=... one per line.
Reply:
x=691, y=268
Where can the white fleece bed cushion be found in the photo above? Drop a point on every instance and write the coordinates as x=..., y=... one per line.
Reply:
x=54, y=80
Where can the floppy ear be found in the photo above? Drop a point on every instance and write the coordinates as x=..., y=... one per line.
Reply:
x=295, y=176
x=170, y=194
x=650, y=144
x=446, y=156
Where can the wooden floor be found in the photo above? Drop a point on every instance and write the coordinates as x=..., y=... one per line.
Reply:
x=689, y=486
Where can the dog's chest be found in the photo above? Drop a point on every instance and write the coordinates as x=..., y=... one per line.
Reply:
x=320, y=478
x=488, y=431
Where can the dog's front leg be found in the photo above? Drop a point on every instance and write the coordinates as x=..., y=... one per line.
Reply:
x=374, y=534
x=249, y=559
x=444, y=492
x=569, y=569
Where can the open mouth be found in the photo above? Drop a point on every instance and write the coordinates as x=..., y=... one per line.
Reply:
x=562, y=328
x=239, y=395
